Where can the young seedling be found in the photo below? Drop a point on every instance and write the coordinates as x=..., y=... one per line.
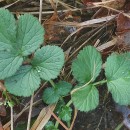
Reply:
x=87, y=67
x=18, y=40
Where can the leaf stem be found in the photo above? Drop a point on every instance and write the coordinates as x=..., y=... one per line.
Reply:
x=52, y=83
x=56, y=124
x=100, y=82
x=69, y=103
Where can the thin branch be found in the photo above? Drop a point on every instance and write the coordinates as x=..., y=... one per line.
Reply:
x=12, y=118
x=7, y=6
x=62, y=124
x=30, y=112
x=75, y=115
x=40, y=11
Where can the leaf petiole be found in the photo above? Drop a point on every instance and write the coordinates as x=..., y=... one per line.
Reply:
x=69, y=103
x=52, y=83
x=100, y=82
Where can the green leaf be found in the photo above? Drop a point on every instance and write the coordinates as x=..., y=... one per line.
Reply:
x=52, y=95
x=87, y=66
x=117, y=72
x=7, y=30
x=59, y=106
x=50, y=126
x=65, y=113
x=9, y=64
x=24, y=82
x=120, y=90
x=86, y=99
x=29, y=34
x=63, y=88
x=48, y=61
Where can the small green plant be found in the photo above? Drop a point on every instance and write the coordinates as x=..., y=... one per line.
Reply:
x=87, y=67
x=22, y=62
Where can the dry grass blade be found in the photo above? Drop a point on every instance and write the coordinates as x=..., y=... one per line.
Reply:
x=125, y=14
x=108, y=44
x=30, y=112
x=86, y=23
x=12, y=120
x=65, y=5
x=43, y=118
x=7, y=6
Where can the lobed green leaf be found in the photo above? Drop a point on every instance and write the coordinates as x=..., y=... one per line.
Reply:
x=9, y=64
x=87, y=66
x=48, y=61
x=24, y=82
x=7, y=30
x=117, y=72
x=65, y=113
x=52, y=95
x=86, y=99
x=29, y=34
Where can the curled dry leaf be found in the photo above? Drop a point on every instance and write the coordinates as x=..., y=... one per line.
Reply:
x=123, y=23
x=123, y=28
x=116, y=4
x=54, y=32
x=2, y=108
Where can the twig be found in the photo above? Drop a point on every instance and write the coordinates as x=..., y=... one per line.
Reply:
x=108, y=44
x=71, y=35
x=30, y=112
x=40, y=11
x=49, y=12
x=71, y=56
x=12, y=118
x=86, y=23
x=125, y=14
x=65, y=127
x=75, y=115
x=7, y=6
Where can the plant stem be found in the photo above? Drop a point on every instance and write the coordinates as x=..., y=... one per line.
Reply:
x=56, y=124
x=69, y=103
x=119, y=126
x=52, y=83
x=100, y=82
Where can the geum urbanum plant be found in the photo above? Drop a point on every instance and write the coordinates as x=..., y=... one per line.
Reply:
x=85, y=69
x=20, y=40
